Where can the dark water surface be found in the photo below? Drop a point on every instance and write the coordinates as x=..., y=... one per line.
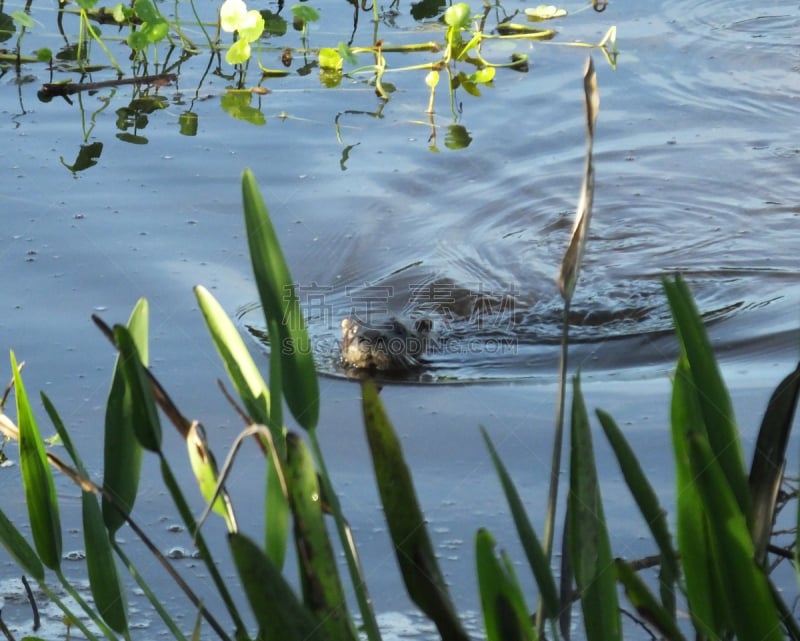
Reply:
x=697, y=161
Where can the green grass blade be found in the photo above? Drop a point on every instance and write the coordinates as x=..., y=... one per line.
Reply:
x=646, y=604
x=104, y=581
x=505, y=614
x=122, y=460
x=322, y=590
x=146, y=425
x=276, y=290
x=752, y=610
x=769, y=458
x=37, y=479
x=527, y=536
x=714, y=400
x=19, y=549
x=418, y=565
x=235, y=357
x=708, y=614
x=278, y=611
x=648, y=504
x=590, y=548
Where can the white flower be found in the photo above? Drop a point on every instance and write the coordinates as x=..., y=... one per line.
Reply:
x=232, y=14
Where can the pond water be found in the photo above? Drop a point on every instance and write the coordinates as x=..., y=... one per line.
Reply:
x=697, y=165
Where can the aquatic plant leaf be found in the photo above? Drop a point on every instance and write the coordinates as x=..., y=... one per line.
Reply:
x=590, y=549
x=278, y=298
x=571, y=263
x=769, y=458
x=305, y=13
x=206, y=473
x=712, y=395
x=347, y=53
x=241, y=368
x=238, y=53
x=702, y=583
x=413, y=549
x=545, y=12
x=432, y=78
x=146, y=11
x=237, y=105
x=648, y=504
x=19, y=549
x=276, y=608
x=527, y=536
x=122, y=452
x=458, y=15
x=322, y=589
x=104, y=580
x=146, y=425
x=155, y=31
x=646, y=604
x=37, y=479
x=22, y=19
x=505, y=614
x=330, y=59
x=753, y=613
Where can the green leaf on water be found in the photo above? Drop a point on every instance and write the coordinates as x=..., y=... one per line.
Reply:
x=44, y=54
x=237, y=105
x=146, y=11
x=137, y=40
x=330, y=59
x=238, y=53
x=545, y=12
x=22, y=19
x=305, y=13
x=37, y=479
x=458, y=16
x=347, y=53
x=155, y=31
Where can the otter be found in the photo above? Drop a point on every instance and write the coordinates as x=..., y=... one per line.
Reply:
x=389, y=347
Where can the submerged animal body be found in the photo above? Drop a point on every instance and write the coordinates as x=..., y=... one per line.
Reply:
x=391, y=346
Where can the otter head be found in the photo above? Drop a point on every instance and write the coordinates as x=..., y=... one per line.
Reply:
x=390, y=346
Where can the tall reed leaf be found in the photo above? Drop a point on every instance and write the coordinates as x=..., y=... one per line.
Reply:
x=646, y=604
x=40, y=491
x=421, y=574
x=278, y=611
x=146, y=425
x=505, y=614
x=322, y=590
x=281, y=306
x=590, y=548
x=769, y=458
x=745, y=586
x=122, y=460
x=19, y=549
x=104, y=580
x=530, y=543
x=571, y=263
x=649, y=506
x=702, y=583
x=712, y=395
x=235, y=357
